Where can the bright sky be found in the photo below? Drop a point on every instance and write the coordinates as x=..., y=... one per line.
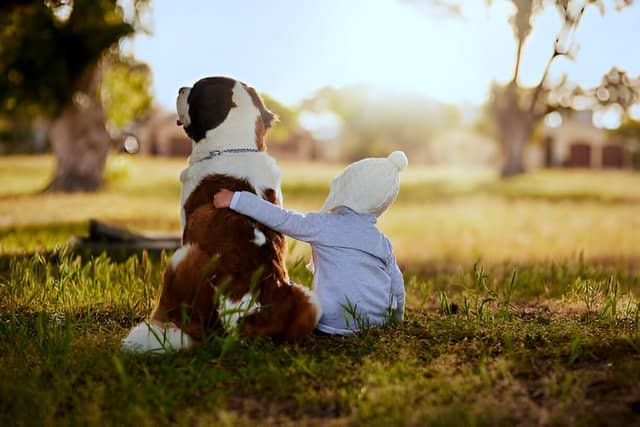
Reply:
x=289, y=48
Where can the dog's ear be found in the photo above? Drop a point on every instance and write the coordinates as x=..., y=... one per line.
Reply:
x=267, y=116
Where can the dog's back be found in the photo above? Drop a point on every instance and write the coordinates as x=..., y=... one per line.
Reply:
x=230, y=272
x=226, y=254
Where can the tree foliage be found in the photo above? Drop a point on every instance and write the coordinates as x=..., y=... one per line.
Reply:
x=287, y=119
x=630, y=129
x=126, y=90
x=44, y=53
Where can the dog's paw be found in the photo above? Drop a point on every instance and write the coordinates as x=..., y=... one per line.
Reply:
x=150, y=338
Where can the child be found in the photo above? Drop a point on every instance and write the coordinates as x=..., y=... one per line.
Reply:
x=355, y=269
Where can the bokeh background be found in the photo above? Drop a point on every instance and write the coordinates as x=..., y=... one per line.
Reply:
x=521, y=119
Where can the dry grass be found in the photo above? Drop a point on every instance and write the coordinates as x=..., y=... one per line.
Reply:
x=441, y=215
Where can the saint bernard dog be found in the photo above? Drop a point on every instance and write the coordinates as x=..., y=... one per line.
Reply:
x=229, y=274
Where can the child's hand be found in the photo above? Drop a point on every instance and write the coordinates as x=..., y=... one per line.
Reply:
x=222, y=199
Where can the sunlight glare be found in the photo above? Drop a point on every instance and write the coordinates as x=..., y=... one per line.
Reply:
x=553, y=119
x=324, y=126
x=398, y=47
x=608, y=117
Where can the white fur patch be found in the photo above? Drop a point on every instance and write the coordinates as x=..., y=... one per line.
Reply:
x=230, y=312
x=179, y=255
x=259, y=237
x=259, y=169
x=182, y=106
x=150, y=337
x=313, y=297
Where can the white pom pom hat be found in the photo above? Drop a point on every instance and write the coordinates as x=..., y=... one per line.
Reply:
x=368, y=185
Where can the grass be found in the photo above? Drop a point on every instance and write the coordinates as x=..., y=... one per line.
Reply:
x=540, y=348
x=439, y=217
x=523, y=308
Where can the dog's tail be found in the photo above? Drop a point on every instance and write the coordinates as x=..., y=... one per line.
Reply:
x=149, y=337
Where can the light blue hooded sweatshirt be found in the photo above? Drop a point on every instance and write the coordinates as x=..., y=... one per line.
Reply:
x=354, y=265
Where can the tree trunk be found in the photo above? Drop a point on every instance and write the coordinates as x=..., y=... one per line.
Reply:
x=514, y=141
x=80, y=141
x=514, y=126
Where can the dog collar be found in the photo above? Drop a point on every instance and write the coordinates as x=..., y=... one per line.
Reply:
x=216, y=153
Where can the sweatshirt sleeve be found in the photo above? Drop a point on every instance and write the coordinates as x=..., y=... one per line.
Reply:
x=397, y=289
x=305, y=227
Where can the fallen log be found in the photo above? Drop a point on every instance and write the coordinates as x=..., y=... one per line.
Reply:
x=120, y=243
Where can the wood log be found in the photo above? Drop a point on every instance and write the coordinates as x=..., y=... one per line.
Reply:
x=119, y=242
x=99, y=231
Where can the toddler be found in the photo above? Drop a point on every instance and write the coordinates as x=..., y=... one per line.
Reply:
x=356, y=277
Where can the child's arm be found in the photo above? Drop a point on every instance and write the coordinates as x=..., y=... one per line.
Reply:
x=305, y=227
x=397, y=289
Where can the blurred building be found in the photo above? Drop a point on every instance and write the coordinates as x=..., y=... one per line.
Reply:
x=159, y=135
x=299, y=145
x=574, y=142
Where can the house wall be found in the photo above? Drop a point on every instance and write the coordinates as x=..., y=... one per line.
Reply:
x=570, y=133
x=576, y=139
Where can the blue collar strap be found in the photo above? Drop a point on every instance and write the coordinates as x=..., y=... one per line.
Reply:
x=216, y=153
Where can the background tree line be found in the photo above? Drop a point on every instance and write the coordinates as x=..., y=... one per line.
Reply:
x=61, y=66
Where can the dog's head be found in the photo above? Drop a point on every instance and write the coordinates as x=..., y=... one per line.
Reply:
x=219, y=102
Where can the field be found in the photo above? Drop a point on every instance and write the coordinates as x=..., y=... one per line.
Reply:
x=523, y=309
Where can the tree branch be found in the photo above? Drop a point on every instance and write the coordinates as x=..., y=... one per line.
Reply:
x=516, y=72
x=545, y=74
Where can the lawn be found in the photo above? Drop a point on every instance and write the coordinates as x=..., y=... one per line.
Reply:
x=523, y=308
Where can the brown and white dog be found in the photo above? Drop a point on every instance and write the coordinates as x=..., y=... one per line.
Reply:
x=230, y=272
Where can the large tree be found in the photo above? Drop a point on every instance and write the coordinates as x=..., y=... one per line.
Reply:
x=516, y=110
x=51, y=65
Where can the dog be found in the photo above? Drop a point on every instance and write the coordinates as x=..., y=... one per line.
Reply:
x=229, y=275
